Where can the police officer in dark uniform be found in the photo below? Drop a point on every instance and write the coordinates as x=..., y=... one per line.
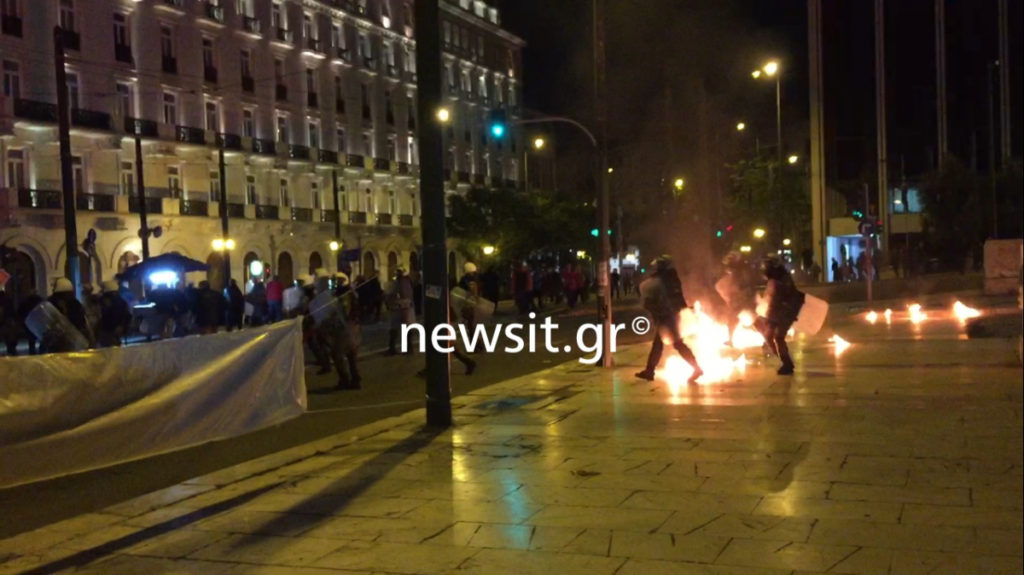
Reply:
x=784, y=303
x=663, y=299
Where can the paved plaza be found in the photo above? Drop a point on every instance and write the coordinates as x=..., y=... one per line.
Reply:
x=902, y=455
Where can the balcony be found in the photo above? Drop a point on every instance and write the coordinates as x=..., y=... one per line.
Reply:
x=357, y=217
x=383, y=219
x=312, y=100
x=90, y=119
x=251, y=24
x=194, y=208
x=327, y=156
x=35, y=110
x=123, y=53
x=327, y=216
x=144, y=128
x=213, y=12
x=169, y=64
x=189, y=135
x=39, y=199
x=405, y=220
x=267, y=213
x=511, y=184
x=298, y=152
x=11, y=26
x=302, y=214
x=153, y=205
x=95, y=203
x=248, y=84
x=72, y=40
x=283, y=35
x=354, y=161
x=236, y=211
x=179, y=4
x=314, y=45
x=266, y=147
x=403, y=168
x=281, y=92
x=229, y=141
x=368, y=63
x=210, y=74
x=382, y=164
x=392, y=70
x=341, y=54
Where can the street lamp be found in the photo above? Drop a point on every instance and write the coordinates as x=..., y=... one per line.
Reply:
x=488, y=250
x=538, y=143
x=794, y=159
x=759, y=233
x=740, y=127
x=679, y=183
x=443, y=115
x=745, y=249
x=221, y=244
x=334, y=245
x=786, y=242
x=771, y=70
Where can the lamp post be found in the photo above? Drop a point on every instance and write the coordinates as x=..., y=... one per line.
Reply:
x=538, y=144
x=771, y=69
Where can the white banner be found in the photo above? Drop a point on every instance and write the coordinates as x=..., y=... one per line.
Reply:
x=71, y=412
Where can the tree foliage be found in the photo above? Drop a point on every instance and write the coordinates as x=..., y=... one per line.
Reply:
x=761, y=195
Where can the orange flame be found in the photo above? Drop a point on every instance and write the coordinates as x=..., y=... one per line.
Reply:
x=916, y=315
x=888, y=316
x=841, y=344
x=872, y=317
x=709, y=341
x=964, y=313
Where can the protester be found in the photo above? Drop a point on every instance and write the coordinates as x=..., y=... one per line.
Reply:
x=738, y=288
x=275, y=300
x=331, y=312
x=615, y=277
x=522, y=288
x=209, y=311
x=29, y=303
x=784, y=303
x=63, y=298
x=572, y=282
x=10, y=327
x=115, y=316
x=236, y=305
x=400, y=304
x=490, y=286
x=291, y=299
x=663, y=299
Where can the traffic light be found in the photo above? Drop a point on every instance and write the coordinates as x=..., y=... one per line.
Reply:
x=498, y=123
x=718, y=234
x=595, y=233
x=857, y=215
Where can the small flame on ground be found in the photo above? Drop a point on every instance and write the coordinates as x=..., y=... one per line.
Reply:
x=916, y=315
x=888, y=316
x=872, y=317
x=841, y=344
x=964, y=313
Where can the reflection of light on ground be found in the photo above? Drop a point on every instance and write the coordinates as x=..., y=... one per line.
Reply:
x=916, y=315
x=964, y=313
x=841, y=344
x=872, y=317
x=888, y=316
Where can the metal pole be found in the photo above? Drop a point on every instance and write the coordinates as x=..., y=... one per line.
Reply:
x=990, y=80
x=66, y=177
x=1004, y=83
x=226, y=257
x=337, y=216
x=868, y=266
x=940, y=80
x=435, y=273
x=778, y=116
x=880, y=117
x=819, y=197
x=140, y=190
x=604, y=299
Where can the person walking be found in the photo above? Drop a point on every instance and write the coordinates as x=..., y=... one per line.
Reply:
x=400, y=304
x=663, y=298
x=332, y=311
x=115, y=316
x=275, y=300
x=209, y=309
x=236, y=305
x=522, y=288
x=784, y=303
x=615, y=278
x=571, y=284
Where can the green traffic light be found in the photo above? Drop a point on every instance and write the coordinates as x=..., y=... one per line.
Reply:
x=718, y=234
x=594, y=232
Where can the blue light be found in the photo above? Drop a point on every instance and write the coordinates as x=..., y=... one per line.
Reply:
x=498, y=130
x=164, y=277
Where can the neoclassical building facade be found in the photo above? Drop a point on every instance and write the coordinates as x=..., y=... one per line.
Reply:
x=312, y=101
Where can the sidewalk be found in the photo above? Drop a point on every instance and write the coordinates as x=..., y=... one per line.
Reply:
x=900, y=456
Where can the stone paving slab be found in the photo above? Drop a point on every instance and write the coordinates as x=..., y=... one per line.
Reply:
x=901, y=456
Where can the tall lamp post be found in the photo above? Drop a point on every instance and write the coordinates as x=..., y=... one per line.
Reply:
x=771, y=70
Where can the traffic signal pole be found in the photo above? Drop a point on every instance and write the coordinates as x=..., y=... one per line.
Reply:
x=435, y=272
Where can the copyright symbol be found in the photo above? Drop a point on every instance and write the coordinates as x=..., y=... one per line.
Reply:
x=641, y=325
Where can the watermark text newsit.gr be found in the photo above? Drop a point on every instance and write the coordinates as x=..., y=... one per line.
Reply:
x=518, y=337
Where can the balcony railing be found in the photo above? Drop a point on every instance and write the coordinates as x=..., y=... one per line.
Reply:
x=35, y=110
x=248, y=84
x=190, y=135
x=298, y=152
x=312, y=100
x=405, y=220
x=327, y=156
x=236, y=211
x=153, y=205
x=327, y=216
x=341, y=54
x=11, y=26
x=72, y=39
x=283, y=35
x=383, y=219
x=146, y=128
x=213, y=12
x=41, y=199
x=302, y=214
x=403, y=167
x=382, y=164
x=314, y=45
x=210, y=74
x=123, y=53
x=90, y=119
x=251, y=24
x=281, y=92
x=261, y=146
x=229, y=141
x=368, y=62
x=194, y=208
x=267, y=213
x=355, y=161
x=95, y=202
x=357, y=217
x=169, y=64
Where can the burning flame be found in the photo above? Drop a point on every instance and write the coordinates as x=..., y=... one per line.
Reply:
x=916, y=315
x=888, y=316
x=964, y=313
x=840, y=344
x=872, y=317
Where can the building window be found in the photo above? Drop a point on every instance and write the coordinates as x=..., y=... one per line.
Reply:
x=15, y=169
x=368, y=206
x=250, y=189
x=209, y=56
x=446, y=32
x=311, y=81
x=314, y=192
x=339, y=95
x=410, y=60
x=389, y=111
x=483, y=87
x=248, y=123
x=389, y=57
x=339, y=139
x=214, y=186
x=480, y=47
x=67, y=15
x=284, y=200
x=308, y=30
x=245, y=63
x=365, y=52
x=314, y=134
x=77, y=175
x=170, y=108
x=12, y=79
x=212, y=116
x=122, y=38
x=367, y=144
x=74, y=90
x=364, y=100
x=173, y=181
x=410, y=22
x=282, y=128
x=392, y=149
x=166, y=41
x=127, y=178
x=338, y=37
x=125, y=100
x=277, y=16
x=413, y=158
